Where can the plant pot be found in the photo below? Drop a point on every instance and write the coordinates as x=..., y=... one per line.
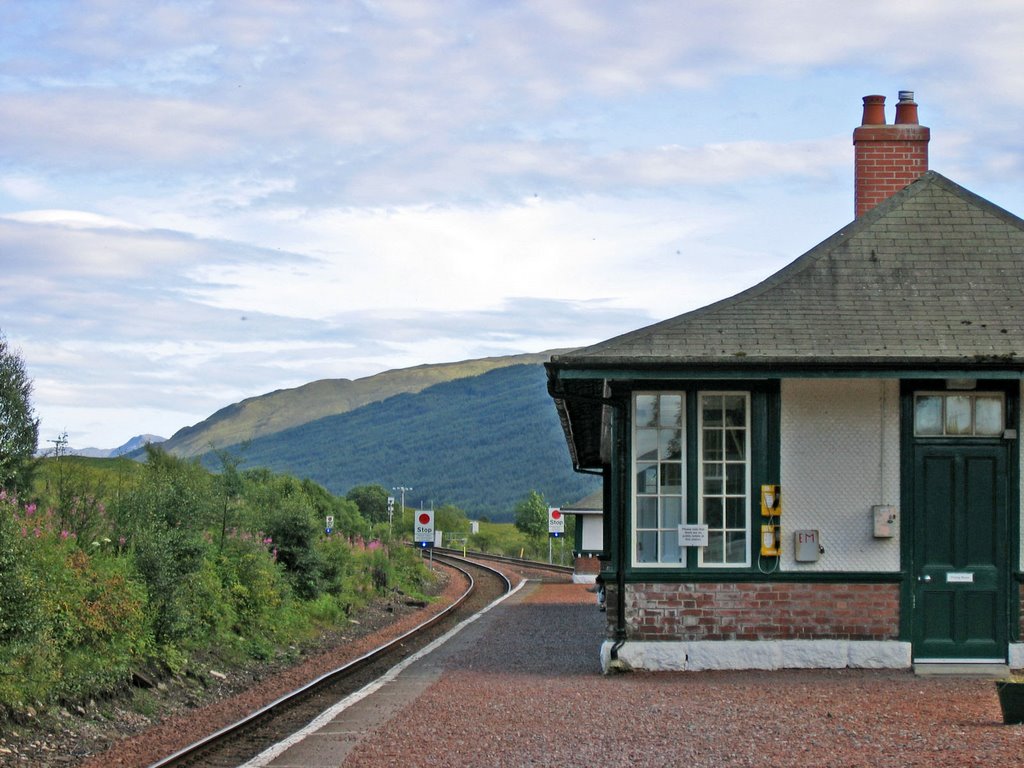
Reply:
x=1011, y=700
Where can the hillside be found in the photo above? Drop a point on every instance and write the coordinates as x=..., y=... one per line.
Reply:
x=257, y=417
x=481, y=443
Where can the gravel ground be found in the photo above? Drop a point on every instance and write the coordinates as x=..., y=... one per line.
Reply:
x=529, y=692
x=144, y=726
x=526, y=690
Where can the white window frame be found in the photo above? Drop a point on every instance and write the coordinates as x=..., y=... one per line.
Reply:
x=724, y=495
x=659, y=496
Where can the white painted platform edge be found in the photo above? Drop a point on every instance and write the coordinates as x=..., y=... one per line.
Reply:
x=324, y=718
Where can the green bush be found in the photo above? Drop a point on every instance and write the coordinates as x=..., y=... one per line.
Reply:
x=167, y=560
x=254, y=584
x=74, y=621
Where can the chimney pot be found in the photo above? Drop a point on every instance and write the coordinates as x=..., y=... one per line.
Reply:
x=874, y=110
x=906, y=109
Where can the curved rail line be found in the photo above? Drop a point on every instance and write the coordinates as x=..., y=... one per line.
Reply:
x=533, y=565
x=198, y=749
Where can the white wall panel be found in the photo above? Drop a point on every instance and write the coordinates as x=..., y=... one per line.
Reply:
x=840, y=455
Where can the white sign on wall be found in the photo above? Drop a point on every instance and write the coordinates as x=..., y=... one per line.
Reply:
x=693, y=535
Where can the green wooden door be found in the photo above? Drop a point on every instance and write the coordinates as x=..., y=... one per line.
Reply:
x=960, y=550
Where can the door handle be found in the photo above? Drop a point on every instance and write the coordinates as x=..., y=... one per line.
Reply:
x=926, y=578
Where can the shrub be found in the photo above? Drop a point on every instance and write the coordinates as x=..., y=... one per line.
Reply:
x=73, y=622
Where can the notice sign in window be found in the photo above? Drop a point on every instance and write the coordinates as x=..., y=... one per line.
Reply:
x=693, y=535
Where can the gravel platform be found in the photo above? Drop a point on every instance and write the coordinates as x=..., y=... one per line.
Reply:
x=523, y=687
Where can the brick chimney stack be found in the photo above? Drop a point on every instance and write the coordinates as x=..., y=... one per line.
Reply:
x=887, y=157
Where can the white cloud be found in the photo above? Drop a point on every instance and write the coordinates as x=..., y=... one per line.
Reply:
x=372, y=185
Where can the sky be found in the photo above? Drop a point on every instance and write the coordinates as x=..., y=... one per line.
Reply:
x=202, y=202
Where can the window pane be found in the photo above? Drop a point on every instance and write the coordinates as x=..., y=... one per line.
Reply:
x=713, y=551
x=713, y=441
x=671, y=552
x=988, y=416
x=647, y=478
x=646, y=410
x=713, y=479
x=735, y=479
x=647, y=512
x=713, y=513
x=958, y=415
x=671, y=444
x=735, y=411
x=735, y=513
x=711, y=411
x=646, y=444
x=735, y=444
x=671, y=411
x=928, y=415
x=736, y=547
x=647, y=547
x=671, y=512
x=672, y=478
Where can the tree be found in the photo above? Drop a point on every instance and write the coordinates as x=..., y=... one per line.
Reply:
x=19, y=429
x=531, y=515
x=372, y=501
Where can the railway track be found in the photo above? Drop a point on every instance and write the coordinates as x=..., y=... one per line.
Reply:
x=518, y=564
x=238, y=743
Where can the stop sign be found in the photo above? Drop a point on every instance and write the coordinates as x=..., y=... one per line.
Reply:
x=556, y=523
x=423, y=532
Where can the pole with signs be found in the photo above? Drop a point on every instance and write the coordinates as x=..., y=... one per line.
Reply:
x=330, y=524
x=391, y=511
x=556, y=527
x=402, y=489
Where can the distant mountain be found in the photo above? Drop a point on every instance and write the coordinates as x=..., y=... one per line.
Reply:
x=136, y=443
x=257, y=417
x=479, y=442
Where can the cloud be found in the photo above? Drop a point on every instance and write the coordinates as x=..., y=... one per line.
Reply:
x=201, y=202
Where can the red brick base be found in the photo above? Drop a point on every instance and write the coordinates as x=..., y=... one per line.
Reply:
x=758, y=611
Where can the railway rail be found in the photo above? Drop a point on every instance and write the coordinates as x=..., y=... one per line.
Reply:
x=241, y=741
x=517, y=563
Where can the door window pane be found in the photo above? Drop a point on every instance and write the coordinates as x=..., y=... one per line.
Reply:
x=988, y=416
x=958, y=415
x=928, y=415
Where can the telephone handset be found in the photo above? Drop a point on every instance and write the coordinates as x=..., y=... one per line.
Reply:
x=770, y=540
x=771, y=507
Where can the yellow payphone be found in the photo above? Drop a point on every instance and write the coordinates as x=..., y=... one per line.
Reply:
x=771, y=508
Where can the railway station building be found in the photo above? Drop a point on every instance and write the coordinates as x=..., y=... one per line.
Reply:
x=823, y=470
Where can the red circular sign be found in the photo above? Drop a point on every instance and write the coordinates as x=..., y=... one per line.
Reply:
x=424, y=518
x=555, y=514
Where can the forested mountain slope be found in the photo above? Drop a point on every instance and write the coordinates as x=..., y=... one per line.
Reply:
x=480, y=443
x=260, y=416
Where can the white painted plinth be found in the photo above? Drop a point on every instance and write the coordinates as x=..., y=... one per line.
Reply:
x=760, y=654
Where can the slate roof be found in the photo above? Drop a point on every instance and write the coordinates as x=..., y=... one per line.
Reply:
x=930, y=279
